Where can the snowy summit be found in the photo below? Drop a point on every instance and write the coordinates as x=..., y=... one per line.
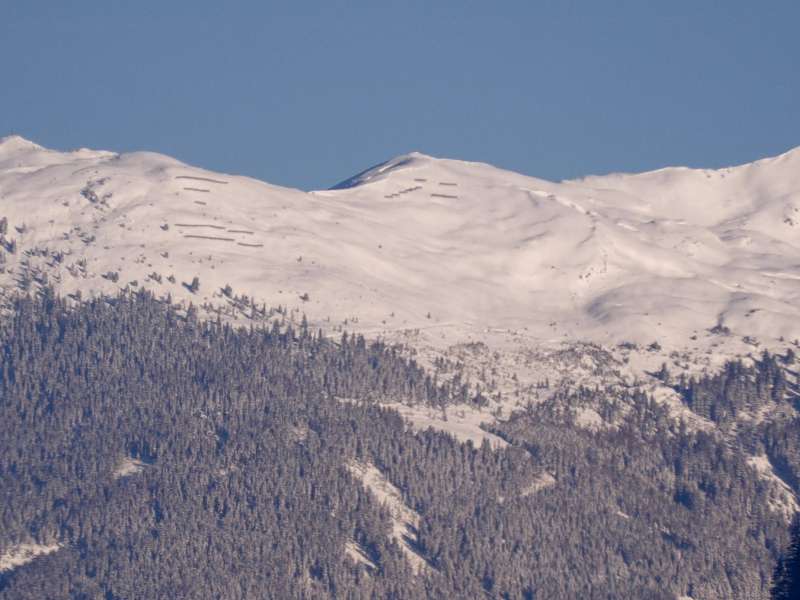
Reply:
x=420, y=243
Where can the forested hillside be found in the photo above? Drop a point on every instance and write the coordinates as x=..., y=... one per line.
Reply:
x=158, y=456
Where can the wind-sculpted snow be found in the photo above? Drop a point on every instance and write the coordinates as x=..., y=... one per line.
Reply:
x=423, y=243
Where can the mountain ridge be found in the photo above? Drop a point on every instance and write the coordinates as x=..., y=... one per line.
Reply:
x=17, y=141
x=419, y=242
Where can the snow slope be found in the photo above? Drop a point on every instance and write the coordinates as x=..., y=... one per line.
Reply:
x=21, y=554
x=405, y=521
x=456, y=250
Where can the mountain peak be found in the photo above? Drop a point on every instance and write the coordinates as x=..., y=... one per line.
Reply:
x=791, y=154
x=16, y=143
x=379, y=171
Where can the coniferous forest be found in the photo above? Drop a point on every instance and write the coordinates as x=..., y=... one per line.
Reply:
x=241, y=443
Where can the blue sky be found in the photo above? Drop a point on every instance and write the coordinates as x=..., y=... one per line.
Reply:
x=307, y=93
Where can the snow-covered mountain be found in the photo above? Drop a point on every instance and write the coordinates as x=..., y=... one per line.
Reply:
x=419, y=242
x=525, y=286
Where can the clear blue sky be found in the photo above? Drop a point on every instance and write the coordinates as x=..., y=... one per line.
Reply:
x=307, y=93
